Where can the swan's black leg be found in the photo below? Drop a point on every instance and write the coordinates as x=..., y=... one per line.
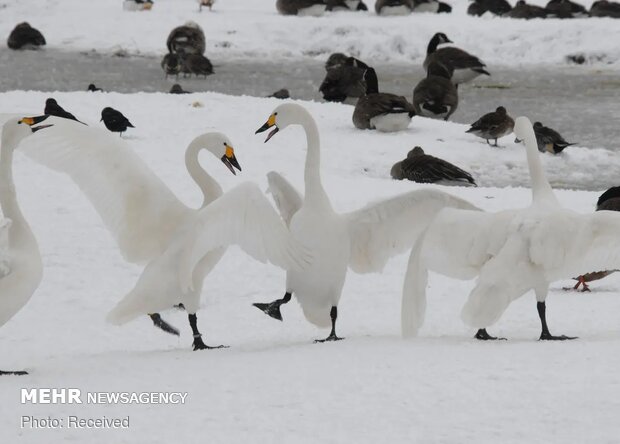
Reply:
x=546, y=335
x=332, y=336
x=273, y=308
x=495, y=142
x=160, y=323
x=14, y=373
x=198, y=343
x=484, y=335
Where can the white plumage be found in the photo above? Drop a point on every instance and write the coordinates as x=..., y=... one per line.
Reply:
x=363, y=240
x=511, y=252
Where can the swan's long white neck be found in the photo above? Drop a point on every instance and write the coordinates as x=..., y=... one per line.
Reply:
x=211, y=190
x=542, y=193
x=314, y=194
x=20, y=234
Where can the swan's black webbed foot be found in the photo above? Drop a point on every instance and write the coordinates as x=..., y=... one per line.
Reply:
x=160, y=323
x=200, y=345
x=332, y=337
x=546, y=336
x=483, y=335
x=13, y=373
x=273, y=308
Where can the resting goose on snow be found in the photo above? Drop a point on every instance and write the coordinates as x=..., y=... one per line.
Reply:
x=549, y=140
x=493, y=125
x=187, y=39
x=424, y=168
x=24, y=36
x=436, y=96
x=363, y=240
x=565, y=9
x=146, y=218
x=21, y=268
x=344, y=78
x=608, y=201
x=604, y=8
x=394, y=7
x=301, y=7
x=511, y=252
x=346, y=5
x=524, y=11
x=381, y=111
x=466, y=66
x=497, y=7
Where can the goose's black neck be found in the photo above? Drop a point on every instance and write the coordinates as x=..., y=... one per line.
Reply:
x=372, y=83
x=432, y=45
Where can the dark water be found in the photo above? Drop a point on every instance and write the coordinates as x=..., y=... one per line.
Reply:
x=583, y=103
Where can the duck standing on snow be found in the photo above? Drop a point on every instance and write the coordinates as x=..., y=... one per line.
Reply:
x=301, y=7
x=497, y=7
x=52, y=108
x=423, y=168
x=115, y=121
x=344, y=78
x=493, y=125
x=604, y=8
x=171, y=64
x=436, y=96
x=363, y=240
x=549, y=140
x=565, y=9
x=466, y=66
x=21, y=268
x=524, y=11
x=381, y=111
x=187, y=39
x=207, y=3
x=24, y=36
x=608, y=201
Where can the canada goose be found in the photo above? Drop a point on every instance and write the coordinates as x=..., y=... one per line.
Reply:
x=604, y=8
x=24, y=36
x=466, y=66
x=381, y=111
x=424, y=168
x=565, y=9
x=344, y=78
x=549, y=140
x=436, y=96
x=493, y=125
x=608, y=201
x=524, y=11
x=301, y=7
x=476, y=8
x=394, y=7
x=346, y=5
x=188, y=38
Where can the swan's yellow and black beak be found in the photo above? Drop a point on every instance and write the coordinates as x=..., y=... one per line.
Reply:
x=31, y=121
x=271, y=122
x=230, y=160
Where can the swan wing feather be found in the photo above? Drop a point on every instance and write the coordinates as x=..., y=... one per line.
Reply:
x=287, y=198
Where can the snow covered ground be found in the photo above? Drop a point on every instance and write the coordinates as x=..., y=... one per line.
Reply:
x=274, y=384
x=253, y=29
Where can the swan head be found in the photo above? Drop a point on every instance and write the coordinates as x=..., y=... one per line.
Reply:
x=220, y=146
x=17, y=129
x=523, y=130
x=283, y=116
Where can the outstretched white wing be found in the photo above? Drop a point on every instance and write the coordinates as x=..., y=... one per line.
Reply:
x=286, y=197
x=242, y=216
x=136, y=206
x=382, y=230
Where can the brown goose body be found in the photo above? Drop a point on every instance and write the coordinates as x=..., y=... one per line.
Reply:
x=465, y=66
x=524, y=11
x=423, y=168
x=187, y=39
x=24, y=36
x=604, y=8
x=436, y=96
x=394, y=7
x=301, y=7
x=344, y=78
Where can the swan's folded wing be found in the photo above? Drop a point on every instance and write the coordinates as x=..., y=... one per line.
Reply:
x=382, y=230
x=242, y=216
x=286, y=197
x=136, y=206
x=571, y=244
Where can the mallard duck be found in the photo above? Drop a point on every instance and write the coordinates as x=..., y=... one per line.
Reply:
x=524, y=11
x=493, y=125
x=466, y=66
x=381, y=111
x=24, y=36
x=424, y=168
x=549, y=140
x=436, y=96
x=604, y=8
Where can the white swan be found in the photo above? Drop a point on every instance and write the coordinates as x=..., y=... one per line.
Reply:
x=21, y=268
x=511, y=251
x=363, y=240
x=138, y=209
